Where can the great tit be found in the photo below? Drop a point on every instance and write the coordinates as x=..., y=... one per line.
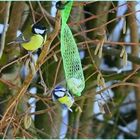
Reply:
x=37, y=40
x=63, y=96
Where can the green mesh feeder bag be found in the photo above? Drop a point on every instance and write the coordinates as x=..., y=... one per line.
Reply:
x=70, y=55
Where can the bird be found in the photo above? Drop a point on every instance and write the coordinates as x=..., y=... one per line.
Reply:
x=36, y=41
x=63, y=96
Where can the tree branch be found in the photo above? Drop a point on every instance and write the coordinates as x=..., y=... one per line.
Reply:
x=29, y=78
x=7, y=12
x=135, y=51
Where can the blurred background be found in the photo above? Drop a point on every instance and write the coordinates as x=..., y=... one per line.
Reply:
x=107, y=36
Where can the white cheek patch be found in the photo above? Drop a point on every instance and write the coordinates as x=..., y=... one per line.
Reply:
x=38, y=31
x=59, y=93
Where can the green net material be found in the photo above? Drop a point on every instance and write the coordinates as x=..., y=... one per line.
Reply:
x=70, y=55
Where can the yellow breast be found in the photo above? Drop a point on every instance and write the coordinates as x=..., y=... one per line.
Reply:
x=66, y=100
x=35, y=42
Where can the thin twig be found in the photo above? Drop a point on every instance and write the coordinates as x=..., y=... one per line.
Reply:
x=42, y=82
x=134, y=37
x=130, y=75
x=40, y=61
x=110, y=43
x=10, y=121
x=9, y=83
x=42, y=10
x=57, y=69
x=105, y=24
x=32, y=10
x=13, y=62
x=90, y=95
x=5, y=28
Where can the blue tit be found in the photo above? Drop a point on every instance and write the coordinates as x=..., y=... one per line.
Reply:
x=63, y=97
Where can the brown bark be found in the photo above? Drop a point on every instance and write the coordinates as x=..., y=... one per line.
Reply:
x=11, y=73
x=2, y=11
x=135, y=51
x=14, y=25
x=94, y=8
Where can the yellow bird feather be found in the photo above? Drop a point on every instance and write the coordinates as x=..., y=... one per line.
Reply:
x=37, y=40
x=66, y=100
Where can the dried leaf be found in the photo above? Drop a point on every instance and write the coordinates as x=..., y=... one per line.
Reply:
x=97, y=48
x=101, y=48
x=107, y=110
x=27, y=121
x=124, y=26
x=78, y=109
x=27, y=63
x=100, y=52
x=104, y=109
x=102, y=42
x=55, y=57
x=122, y=52
x=98, y=79
x=32, y=66
x=125, y=58
x=101, y=107
x=102, y=80
x=45, y=38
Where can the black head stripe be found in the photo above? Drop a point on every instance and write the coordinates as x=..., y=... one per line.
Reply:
x=60, y=88
x=39, y=27
x=57, y=90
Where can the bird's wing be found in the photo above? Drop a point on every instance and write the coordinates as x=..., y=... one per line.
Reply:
x=19, y=39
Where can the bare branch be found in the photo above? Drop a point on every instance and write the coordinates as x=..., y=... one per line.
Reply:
x=7, y=13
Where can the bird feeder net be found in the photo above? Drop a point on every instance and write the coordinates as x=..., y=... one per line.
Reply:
x=70, y=55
